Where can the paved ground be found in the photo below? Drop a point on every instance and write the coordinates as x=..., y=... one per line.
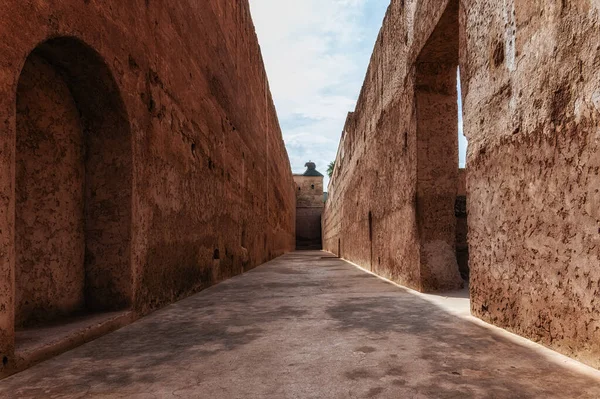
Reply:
x=304, y=326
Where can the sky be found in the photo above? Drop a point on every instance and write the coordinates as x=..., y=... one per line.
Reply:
x=316, y=54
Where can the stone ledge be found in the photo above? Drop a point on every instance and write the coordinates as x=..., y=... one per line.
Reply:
x=34, y=345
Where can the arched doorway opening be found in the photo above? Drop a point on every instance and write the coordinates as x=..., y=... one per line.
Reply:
x=73, y=187
x=438, y=176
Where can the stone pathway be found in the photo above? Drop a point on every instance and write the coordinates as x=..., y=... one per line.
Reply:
x=306, y=326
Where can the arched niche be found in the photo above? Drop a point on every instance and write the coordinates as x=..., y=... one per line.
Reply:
x=73, y=186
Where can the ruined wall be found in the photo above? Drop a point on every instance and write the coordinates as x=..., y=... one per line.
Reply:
x=529, y=72
x=532, y=119
x=372, y=215
x=309, y=211
x=194, y=187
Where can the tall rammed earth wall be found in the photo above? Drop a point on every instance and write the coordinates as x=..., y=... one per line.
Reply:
x=532, y=116
x=531, y=104
x=371, y=215
x=180, y=176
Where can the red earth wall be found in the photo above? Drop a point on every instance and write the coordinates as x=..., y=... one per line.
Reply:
x=174, y=176
x=531, y=105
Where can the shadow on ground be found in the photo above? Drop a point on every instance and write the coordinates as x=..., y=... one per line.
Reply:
x=303, y=325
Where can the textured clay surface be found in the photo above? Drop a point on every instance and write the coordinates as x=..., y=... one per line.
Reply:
x=148, y=164
x=532, y=116
x=49, y=224
x=309, y=211
x=391, y=206
x=531, y=104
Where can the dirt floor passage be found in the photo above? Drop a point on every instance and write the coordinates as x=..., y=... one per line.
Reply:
x=307, y=325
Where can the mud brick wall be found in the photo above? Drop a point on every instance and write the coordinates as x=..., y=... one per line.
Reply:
x=385, y=171
x=173, y=173
x=531, y=104
x=532, y=116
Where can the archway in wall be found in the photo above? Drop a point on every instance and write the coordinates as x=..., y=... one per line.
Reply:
x=73, y=187
x=437, y=153
x=460, y=209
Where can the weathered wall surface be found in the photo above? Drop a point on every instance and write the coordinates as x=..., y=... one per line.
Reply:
x=209, y=192
x=49, y=240
x=371, y=215
x=531, y=107
x=309, y=191
x=532, y=119
x=309, y=211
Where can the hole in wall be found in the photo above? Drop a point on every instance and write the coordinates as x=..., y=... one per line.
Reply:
x=498, y=55
x=216, y=254
x=5, y=360
x=370, y=226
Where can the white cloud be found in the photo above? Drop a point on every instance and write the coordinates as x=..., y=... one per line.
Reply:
x=316, y=53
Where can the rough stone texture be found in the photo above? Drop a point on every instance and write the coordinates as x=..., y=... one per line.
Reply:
x=393, y=192
x=309, y=211
x=308, y=325
x=532, y=116
x=49, y=228
x=73, y=186
x=531, y=103
x=184, y=179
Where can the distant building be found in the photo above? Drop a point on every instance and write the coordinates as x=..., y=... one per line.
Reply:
x=310, y=201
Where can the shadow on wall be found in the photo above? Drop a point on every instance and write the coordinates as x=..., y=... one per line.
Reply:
x=73, y=186
x=437, y=153
x=462, y=227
